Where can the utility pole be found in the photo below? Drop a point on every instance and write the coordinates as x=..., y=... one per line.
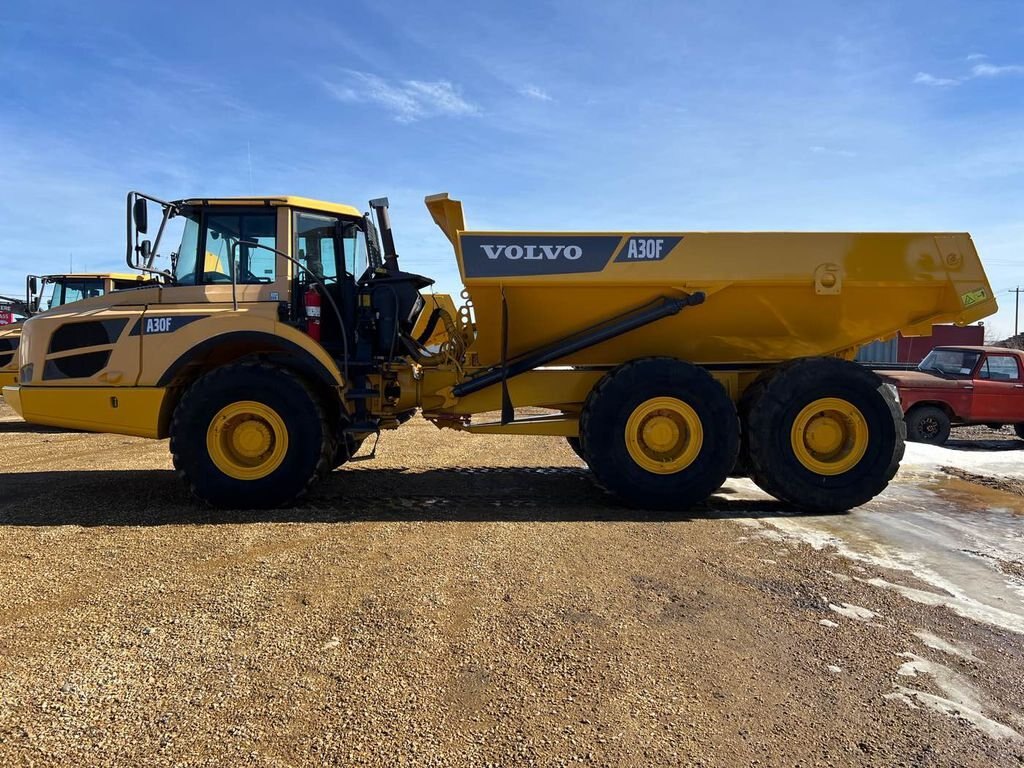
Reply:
x=1016, y=310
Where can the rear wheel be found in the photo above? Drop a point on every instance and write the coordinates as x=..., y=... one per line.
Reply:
x=660, y=433
x=345, y=448
x=823, y=434
x=249, y=435
x=928, y=424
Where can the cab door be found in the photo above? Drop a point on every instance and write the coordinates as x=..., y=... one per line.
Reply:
x=998, y=390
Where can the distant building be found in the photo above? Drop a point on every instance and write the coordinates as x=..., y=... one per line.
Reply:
x=910, y=350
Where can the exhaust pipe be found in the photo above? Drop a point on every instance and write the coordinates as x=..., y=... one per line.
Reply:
x=380, y=208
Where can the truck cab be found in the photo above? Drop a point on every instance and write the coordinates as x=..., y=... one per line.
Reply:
x=961, y=386
x=46, y=292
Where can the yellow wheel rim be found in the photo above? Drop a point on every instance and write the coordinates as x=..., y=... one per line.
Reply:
x=830, y=436
x=247, y=440
x=664, y=435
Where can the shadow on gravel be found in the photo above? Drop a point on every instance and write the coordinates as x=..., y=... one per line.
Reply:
x=984, y=445
x=14, y=427
x=466, y=494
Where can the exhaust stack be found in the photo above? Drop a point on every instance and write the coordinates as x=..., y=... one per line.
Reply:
x=380, y=208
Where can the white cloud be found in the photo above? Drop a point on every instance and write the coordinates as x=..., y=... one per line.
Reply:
x=923, y=78
x=408, y=100
x=980, y=69
x=991, y=70
x=534, y=92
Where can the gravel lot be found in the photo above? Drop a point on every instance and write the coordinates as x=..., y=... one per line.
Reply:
x=457, y=601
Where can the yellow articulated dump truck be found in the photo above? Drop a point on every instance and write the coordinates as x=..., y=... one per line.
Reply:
x=43, y=292
x=286, y=335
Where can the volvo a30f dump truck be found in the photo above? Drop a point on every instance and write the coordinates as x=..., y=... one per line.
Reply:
x=288, y=334
x=43, y=292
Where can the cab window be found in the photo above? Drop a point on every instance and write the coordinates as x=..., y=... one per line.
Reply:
x=354, y=244
x=315, y=239
x=226, y=235
x=76, y=290
x=1000, y=368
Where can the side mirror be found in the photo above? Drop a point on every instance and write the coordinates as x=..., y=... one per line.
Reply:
x=33, y=285
x=140, y=215
x=34, y=304
x=146, y=250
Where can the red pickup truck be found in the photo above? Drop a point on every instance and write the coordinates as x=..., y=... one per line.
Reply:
x=961, y=385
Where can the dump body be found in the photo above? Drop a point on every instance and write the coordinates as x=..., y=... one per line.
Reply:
x=771, y=296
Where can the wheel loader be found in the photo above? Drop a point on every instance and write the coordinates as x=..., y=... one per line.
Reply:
x=43, y=292
x=287, y=336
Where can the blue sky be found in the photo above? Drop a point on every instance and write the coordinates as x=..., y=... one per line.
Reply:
x=538, y=115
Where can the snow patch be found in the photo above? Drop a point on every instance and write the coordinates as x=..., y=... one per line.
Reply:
x=936, y=643
x=960, y=700
x=852, y=611
x=827, y=623
x=961, y=605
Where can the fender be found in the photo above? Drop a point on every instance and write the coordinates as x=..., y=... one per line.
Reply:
x=300, y=357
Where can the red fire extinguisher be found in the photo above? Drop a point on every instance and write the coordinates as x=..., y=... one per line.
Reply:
x=312, y=302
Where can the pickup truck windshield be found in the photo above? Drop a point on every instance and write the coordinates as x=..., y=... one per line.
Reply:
x=950, y=362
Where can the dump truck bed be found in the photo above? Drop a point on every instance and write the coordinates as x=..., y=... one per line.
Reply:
x=770, y=295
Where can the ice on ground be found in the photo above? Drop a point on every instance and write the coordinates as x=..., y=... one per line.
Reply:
x=827, y=623
x=968, y=555
x=853, y=611
x=936, y=643
x=986, y=725
x=1001, y=462
x=960, y=698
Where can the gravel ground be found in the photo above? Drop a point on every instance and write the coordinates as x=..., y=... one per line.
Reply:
x=459, y=600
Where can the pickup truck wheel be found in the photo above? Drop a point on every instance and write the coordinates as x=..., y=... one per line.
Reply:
x=250, y=435
x=928, y=424
x=660, y=433
x=1019, y=429
x=823, y=434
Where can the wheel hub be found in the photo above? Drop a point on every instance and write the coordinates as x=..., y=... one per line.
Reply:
x=829, y=436
x=251, y=438
x=664, y=435
x=247, y=440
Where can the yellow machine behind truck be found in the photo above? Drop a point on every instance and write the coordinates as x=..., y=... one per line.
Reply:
x=43, y=292
x=667, y=359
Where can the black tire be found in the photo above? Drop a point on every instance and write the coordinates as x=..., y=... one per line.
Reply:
x=577, y=446
x=345, y=447
x=774, y=409
x=607, y=412
x=1019, y=429
x=309, y=447
x=927, y=424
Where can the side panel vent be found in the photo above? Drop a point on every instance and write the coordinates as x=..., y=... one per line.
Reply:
x=88, y=334
x=76, y=366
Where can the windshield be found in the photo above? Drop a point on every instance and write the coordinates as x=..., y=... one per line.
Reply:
x=950, y=362
x=51, y=296
x=183, y=259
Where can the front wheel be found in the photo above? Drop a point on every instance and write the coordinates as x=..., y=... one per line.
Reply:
x=660, y=433
x=249, y=435
x=577, y=446
x=928, y=424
